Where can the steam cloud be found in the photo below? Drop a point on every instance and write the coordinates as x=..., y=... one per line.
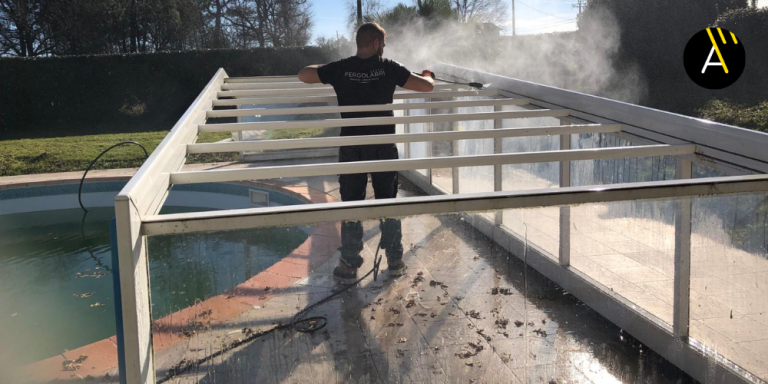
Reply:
x=580, y=61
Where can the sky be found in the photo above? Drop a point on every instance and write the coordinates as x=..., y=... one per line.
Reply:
x=531, y=16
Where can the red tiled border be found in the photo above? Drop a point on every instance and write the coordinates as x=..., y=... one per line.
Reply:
x=167, y=331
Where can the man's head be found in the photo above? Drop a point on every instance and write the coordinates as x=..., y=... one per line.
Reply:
x=371, y=39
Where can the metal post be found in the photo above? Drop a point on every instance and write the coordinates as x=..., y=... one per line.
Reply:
x=428, y=127
x=565, y=211
x=497, y=180
x=117, y=301
x=682, y=282
x=135, y=295
x=455, y=152
x=406, y=130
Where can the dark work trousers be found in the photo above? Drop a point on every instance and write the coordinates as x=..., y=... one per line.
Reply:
x=353, y=188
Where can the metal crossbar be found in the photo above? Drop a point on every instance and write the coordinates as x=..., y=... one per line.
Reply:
x=275, y=86
x=370, y=121
x=261, y=79
x=307, y=89
x=365, y=108
x=332, y=99
x=468, y=202
x=313, y=91
x=322, y=142
x=264, y=173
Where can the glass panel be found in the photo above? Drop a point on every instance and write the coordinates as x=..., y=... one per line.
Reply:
x=475, y=179
x=399, y=129
x=285, y=133
x=418, y=149
x=467, y=308
x=629, y=248
x=442, y=177
x=729, y=278
x=529, y=122
x=211, y=289
x=540, y=225
x=614, y=171
x=701, y=170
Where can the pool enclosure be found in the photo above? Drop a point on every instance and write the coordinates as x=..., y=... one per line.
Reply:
x=657, y=221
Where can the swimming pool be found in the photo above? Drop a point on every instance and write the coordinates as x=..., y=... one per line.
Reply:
x=55, y=262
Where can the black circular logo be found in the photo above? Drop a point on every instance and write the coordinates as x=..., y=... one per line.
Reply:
x=714, y=58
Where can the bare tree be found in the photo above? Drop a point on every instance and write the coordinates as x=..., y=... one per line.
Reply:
x=248, y=18
x=66, y=27
x=481, y=11
x=372, y=11
x=21, y=31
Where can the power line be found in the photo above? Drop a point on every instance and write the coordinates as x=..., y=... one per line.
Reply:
x=547, y=26
x=579, y=4
x=551, y=24
x=540, y=11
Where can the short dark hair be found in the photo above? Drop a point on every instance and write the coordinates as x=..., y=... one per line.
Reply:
x=369, y=32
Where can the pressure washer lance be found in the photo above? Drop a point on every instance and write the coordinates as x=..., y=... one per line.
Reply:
x=470, y=84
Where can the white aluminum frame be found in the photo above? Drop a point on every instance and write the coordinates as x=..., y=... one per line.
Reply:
x=660, y=133
x=332, y=98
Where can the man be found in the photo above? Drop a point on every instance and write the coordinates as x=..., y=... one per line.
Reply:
x=367, y=79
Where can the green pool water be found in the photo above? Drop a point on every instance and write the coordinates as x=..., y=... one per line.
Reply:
x=56, y=282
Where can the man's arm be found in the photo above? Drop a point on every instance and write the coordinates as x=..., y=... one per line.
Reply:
x=309, y=75
x=420, y=83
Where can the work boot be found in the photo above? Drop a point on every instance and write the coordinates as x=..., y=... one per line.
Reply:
x=344, y=274
x=396, y=267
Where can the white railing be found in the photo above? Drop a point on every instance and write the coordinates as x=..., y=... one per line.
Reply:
x=144, y=196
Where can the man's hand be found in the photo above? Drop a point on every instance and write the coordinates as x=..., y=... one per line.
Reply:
x=309, y=75
x=428, y=73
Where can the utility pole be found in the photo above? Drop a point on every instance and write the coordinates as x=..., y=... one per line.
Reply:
x=579, y=4
x=513, y=18
x=359, y=12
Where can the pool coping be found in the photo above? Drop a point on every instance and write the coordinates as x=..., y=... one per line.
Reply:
x=170, y=330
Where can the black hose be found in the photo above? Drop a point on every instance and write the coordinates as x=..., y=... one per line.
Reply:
x=95, y=258
x=298, y=322
x=80, y=190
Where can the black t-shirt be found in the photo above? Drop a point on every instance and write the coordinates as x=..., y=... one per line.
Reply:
x=364, y=82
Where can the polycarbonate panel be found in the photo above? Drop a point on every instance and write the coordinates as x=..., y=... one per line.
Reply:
x=209, y=290
x=466, y=309
x=418, y=149
x=615, y=171
x=729, y=278
x=442, y=177
x=399, y=128
x=629, y=248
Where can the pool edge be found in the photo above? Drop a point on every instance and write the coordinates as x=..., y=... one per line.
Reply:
x=317, y=249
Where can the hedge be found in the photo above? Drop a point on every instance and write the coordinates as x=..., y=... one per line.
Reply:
x=653, y=36
x=751, y=27
x=82, y=95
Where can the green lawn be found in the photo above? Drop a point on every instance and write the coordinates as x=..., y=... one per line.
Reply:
x=301, y=133
x=74, y=153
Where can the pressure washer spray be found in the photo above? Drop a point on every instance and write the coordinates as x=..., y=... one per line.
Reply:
x=470, y=84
